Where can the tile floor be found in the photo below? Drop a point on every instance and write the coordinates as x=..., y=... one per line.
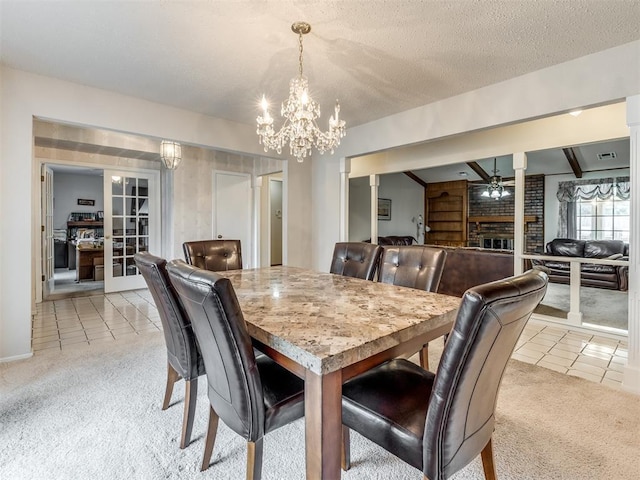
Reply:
x=63, y=324
x=98, y=318
x=581, y=353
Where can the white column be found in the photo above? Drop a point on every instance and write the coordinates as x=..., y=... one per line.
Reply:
x=345, y=169
x=519, y=165
x=374, y=183
x=574, y=315
x=631, y=379
x=167, y=248
x=256, y=184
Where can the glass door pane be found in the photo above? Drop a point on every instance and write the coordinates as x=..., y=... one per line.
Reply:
x=130, y=224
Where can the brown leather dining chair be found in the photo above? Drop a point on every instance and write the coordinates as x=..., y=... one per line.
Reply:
x=214, y=255
x=252, y=395
x=413, y=266
x=440, y=422
x=355, y=259
x=183, y=355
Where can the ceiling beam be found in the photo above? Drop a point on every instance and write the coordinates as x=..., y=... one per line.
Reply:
x=416, y=178
x=480, y=171
x=572, y=158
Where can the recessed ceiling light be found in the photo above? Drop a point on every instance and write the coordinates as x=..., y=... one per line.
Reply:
x=463, y=174
x=575, y=113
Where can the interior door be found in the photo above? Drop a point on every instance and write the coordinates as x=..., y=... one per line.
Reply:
x=232, y=211
x=47, y=230
x=131, y=225
x=275, y=218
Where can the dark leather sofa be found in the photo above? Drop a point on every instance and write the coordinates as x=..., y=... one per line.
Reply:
x=613, y=277
x=467, y=267
x=394, y=240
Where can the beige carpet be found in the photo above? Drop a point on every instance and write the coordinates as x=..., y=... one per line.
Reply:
x=94, y=413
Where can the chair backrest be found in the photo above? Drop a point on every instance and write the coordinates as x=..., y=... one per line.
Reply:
x=414, y=266
x=214, y=255
x=355, y=259
x=182, y=348
x=460, y=418
x=235, y=388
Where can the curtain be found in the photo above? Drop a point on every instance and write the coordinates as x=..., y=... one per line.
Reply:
x=570, y=192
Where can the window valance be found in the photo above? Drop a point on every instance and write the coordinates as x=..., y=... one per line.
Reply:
x=600, y=188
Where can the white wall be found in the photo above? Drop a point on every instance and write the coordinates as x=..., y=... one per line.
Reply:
x=407, y=202
x=359, y=209
x=551, y=201
x=193, y=191
x=68, y=188
x=25, y=96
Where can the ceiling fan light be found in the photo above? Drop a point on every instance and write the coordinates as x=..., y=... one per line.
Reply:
x=505, y=193
x=485, y=193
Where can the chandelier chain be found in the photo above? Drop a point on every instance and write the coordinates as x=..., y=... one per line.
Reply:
x=300, y=49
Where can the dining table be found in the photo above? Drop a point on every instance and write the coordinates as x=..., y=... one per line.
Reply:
x=326, y=329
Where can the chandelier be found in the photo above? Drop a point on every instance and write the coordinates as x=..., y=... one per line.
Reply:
x=171, y=154
x=300, y=112
x=495, y=189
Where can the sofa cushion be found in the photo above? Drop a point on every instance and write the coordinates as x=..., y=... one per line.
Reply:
x=557, y=265
x=566, y=247
x=603, y=248
x=587, y=267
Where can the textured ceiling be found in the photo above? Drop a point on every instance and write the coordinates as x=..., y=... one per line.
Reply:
x=377, y=57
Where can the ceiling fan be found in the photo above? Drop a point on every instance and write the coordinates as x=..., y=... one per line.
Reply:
x=495, y=188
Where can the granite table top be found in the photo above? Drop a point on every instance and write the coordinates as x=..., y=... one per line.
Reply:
x=325, y=322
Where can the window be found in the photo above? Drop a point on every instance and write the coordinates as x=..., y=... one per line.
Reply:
x=603, y=219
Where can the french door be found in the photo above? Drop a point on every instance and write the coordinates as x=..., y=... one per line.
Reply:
x=131, y=225
x=47, y=230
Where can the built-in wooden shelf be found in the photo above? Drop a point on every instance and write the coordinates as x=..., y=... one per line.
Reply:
x=501, y=219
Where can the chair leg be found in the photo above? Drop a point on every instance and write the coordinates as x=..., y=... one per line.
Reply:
x=172, y=377
x=190, y=397
x=487, y=461
x=254, y=460
x=211, y=439
x=424, y=356
x=346, y=449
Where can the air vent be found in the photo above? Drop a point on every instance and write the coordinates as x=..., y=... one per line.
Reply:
x=607, y=156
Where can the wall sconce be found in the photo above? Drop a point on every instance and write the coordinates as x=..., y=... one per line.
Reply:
x=171, y=154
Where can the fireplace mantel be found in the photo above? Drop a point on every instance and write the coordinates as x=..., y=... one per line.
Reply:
x=500, y=219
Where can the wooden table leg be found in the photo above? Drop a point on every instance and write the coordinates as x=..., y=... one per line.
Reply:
x=323, y=425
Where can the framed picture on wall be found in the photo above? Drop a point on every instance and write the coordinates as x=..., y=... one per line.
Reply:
x=384, y=209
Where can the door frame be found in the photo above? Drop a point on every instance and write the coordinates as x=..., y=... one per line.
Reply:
x=36, y=213
x=46, y=234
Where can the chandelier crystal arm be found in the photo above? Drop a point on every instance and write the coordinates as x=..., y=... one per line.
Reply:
x=300, y=111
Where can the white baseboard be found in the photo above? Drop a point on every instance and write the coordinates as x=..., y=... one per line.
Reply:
x=16, y=357
x=601, y=331
x=631, y=380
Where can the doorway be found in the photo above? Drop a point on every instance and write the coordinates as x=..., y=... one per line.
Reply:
x=88, y=226
x=275, y=220
x=73, y=201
